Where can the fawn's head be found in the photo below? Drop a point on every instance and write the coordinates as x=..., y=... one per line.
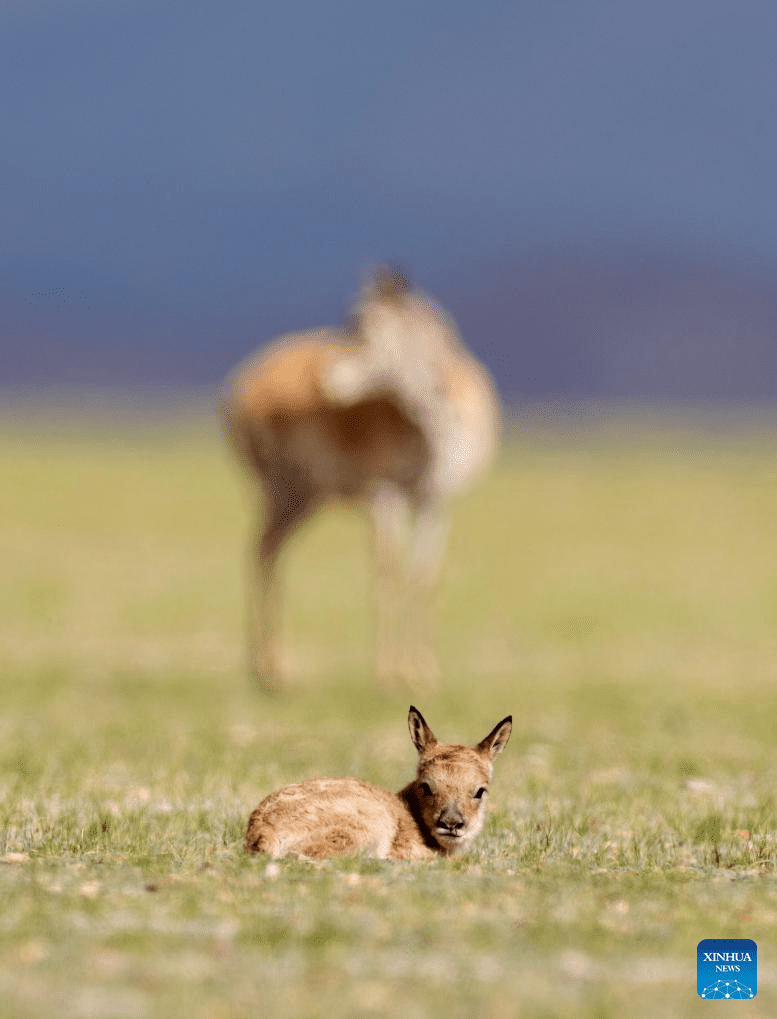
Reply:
x=452, y=781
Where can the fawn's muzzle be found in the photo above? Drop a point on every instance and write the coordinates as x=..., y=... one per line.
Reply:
x=451, y=821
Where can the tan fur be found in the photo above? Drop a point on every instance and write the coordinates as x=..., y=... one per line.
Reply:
x=438, y=814
x=392, y=411
x=285, y=427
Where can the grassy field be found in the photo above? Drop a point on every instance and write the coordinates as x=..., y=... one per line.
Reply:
x=613, y=584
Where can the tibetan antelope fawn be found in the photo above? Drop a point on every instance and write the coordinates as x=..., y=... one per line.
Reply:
x=391, y=411
x=438, y=814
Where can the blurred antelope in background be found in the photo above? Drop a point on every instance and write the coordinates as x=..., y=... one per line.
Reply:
x=437, y=814
x=391, y=410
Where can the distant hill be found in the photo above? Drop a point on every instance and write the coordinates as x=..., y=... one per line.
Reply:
x=623, y=328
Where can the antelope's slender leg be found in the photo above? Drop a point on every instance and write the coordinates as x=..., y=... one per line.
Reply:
x=428, y=540
x=390, y=522
x=288, y=501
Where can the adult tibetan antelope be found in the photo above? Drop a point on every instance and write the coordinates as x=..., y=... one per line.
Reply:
x=391, y=410
x=437, y=814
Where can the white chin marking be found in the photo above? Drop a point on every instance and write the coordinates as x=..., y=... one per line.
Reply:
x=449, y=840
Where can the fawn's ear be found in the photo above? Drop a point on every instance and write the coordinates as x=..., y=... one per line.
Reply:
x=420, y=733
x=497, y=739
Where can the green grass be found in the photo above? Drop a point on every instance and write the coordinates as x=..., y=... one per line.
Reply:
x=614, y=586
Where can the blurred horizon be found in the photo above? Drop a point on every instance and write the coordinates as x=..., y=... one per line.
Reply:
x=588, y=188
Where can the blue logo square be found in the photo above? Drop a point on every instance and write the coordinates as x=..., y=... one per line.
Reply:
x=727, y=968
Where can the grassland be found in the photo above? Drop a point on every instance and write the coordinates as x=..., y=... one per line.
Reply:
x=613, y=584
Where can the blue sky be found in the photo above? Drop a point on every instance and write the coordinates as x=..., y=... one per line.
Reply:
x=163, y=161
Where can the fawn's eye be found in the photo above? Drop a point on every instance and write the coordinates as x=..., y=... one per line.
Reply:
x=426, y=789
x=479, y=793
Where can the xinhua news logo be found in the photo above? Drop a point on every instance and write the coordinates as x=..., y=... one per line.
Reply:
x=727, y=968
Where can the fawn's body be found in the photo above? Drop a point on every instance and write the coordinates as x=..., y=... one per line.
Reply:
x=437, y=814
x=392, y=411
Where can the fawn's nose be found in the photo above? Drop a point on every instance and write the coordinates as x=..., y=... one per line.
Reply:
x=451, y=819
